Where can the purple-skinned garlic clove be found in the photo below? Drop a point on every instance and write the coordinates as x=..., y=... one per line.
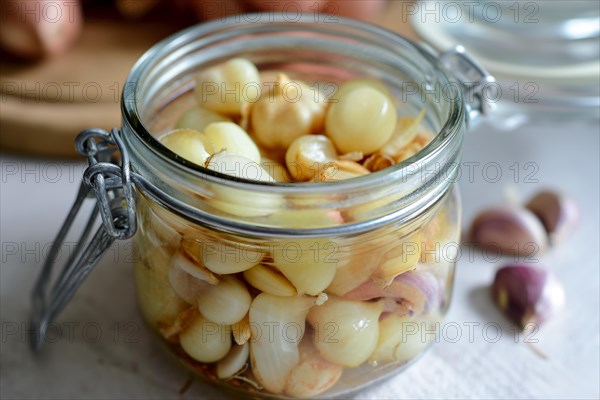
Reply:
x=558, y=213
x=527, y=294
x=415, y=292
x=510, y=230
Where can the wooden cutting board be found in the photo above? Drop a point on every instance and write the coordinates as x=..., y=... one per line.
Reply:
x=43, y=106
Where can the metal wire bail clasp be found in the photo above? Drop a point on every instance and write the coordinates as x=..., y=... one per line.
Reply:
x=476, y=82
x=110, y=184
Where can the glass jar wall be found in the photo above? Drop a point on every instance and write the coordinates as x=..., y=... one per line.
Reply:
x=295, y=289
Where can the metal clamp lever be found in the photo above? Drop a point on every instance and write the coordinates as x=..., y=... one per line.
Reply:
x=110, y=184
x=475, y=81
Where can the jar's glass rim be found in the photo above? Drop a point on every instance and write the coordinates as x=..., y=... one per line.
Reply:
x=131, y=114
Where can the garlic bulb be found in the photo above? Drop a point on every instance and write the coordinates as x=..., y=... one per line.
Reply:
x=234, y=362
x=270, y=281
x=226, y=87
x=225, y=303
x=362, y=119
x=189, y=144
x=292, y=109
x=346, y=331
x=402, y=338
x=308, y=155
x=198, y=118
x=228, y=136
x=280, y=324
x=205, y=341
x=309, y=264
x=313, y=374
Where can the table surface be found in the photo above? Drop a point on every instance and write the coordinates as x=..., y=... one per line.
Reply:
x=101, y=349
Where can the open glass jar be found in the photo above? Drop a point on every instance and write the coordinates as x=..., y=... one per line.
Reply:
x=284, y=289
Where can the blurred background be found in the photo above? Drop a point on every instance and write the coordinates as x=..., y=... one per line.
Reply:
x=63, y=65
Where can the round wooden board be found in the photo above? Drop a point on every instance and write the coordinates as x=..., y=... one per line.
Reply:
x=43, y=106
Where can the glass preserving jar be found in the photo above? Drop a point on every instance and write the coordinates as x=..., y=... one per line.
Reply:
x=281, y=290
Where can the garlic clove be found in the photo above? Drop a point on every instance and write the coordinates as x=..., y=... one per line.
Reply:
x=205, y=341
x=313, y=374
x=299, y=218
x=183, y=320
x=558, y=213
x=198, y=119
x=527, y=294
x=402, y=338
x=185, y=285
x=362, y=119
x=269, y=281
x=240, y=202
x=509, y=230
x=187, y=261
x=355, y=269
x=418, y=292
x=398, y=260
x=377, y=162
x=277, y=170
x=404, y=133
x=223, y=258
x=292, y=109
x=158, y=302
x=226, y=87
x=229, y=137
x=234, y=362
x=241, y=330
x=280, y=324
x=225, y=303
x=308, y=263
x=308, y=155
x=339, y=170
x=189, y=144
x=346, y=331
x=420, y=141
x=238, y=166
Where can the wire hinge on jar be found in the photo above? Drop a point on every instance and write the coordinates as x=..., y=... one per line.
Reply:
x=476, y=83
x=110, y=184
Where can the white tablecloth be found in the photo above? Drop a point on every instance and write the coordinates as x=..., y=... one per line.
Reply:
x=101, y=349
